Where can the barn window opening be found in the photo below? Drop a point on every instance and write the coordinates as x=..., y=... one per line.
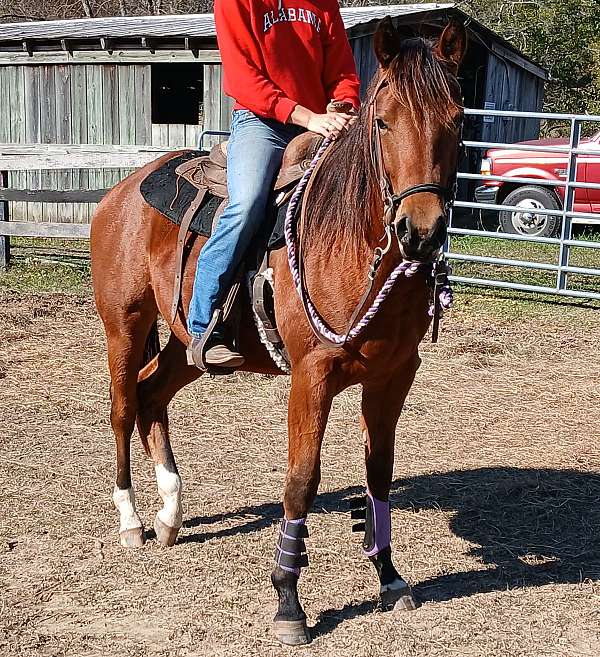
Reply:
x=177, y=91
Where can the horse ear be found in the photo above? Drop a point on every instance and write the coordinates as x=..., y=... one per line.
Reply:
x=452, y=45
x=387, y=42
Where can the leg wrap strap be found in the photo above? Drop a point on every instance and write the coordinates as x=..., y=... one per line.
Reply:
x=377, y=525
x=378, y=532
x=290, y=553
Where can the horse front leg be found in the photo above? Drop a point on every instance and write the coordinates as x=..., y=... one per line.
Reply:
x=309, y=405
x=381, y=407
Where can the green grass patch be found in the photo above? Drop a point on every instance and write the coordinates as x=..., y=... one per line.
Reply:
x=511, y=306
x=40, y=265
x=526, y=251
x=51, y=266
x=46, y=277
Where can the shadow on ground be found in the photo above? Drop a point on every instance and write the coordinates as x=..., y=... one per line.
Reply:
x=530, y=526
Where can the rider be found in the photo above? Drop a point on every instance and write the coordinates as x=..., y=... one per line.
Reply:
x=281, y=64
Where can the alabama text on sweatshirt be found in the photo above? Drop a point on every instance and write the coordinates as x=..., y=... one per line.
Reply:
x=277, y=54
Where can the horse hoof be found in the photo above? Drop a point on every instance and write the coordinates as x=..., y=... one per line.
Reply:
x=132, y=538
x=401, y=599
x=292, y=633
x=165, y=535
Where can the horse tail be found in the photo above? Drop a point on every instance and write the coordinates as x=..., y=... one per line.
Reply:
x=152, y=347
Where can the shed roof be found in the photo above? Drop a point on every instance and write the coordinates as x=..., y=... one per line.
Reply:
x=197, y=31
x=187, y=25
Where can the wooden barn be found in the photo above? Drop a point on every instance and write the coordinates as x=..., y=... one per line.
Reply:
x=157, y=81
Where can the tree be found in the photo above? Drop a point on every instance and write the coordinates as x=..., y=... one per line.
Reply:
x=561, y=35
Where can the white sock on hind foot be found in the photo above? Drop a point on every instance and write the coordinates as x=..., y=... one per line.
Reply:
x=169, y=488
x=124, y=500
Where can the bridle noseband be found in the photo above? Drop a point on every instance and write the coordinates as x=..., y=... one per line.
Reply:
x=391, y=200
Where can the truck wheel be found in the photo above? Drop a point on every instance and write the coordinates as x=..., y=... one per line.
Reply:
x=528, y=221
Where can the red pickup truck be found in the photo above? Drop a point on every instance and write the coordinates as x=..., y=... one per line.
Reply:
x=539, y=165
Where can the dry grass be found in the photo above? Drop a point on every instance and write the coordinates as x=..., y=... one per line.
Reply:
x=497, y=500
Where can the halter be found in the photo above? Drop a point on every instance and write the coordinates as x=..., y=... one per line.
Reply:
x=392, y=201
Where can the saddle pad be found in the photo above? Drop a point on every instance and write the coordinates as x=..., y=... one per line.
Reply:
x=160, y=190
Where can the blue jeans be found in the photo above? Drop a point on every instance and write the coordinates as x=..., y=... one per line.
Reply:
x=254, y=155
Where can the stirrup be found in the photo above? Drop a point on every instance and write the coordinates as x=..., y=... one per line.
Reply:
x=205, y=346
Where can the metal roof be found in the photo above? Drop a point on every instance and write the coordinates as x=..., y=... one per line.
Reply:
x=197, y=31
x=184, y=25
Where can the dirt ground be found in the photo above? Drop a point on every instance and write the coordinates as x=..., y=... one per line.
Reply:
x=496, y=518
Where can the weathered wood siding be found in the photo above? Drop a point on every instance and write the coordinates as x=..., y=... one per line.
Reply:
x=366, y=61
x=175, y=136
x=77, y=104
x=216, y=105
x=511, y=88
x=91, y=104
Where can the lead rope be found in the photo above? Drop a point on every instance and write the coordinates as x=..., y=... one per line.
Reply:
x=405, y=268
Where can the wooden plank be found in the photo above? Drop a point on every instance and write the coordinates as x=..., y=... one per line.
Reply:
x=6, y=128
x=160, y=134
x=372, y=63
x=30, y=229
x=357, y=51
x=126, y=117
x=176, y=136
x=64, y=113
x=47, y=157
x=490, y=128
x=19, y=211
x=143, y=104
x=79, y=133
x=192, y=135
x=95, y=121
x=110, y=116
x=4, y=241
x=33, y=107
x=117, y=57
x=95, y=161
x=53, y=195
x=227, y=104
x=212, y=101
x=74, y=149
x=48, y=133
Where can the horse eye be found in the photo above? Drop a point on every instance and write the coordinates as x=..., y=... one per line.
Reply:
x=381, y=124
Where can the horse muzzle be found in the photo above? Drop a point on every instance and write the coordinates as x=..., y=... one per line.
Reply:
x=420, y=243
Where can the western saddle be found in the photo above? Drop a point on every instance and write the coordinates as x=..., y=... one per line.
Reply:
x=208, y=174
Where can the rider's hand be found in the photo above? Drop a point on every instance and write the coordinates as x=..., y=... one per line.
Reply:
x=331, y=124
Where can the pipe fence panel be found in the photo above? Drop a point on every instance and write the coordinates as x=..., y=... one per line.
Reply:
x=572, y=273
x=557, y=267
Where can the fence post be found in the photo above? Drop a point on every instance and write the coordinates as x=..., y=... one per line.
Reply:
x=4, y=240
x=567, y=222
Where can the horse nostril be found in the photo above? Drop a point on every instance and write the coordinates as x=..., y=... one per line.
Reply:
x=402, y=226
x=441, y=228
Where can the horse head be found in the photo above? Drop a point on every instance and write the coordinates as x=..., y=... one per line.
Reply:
x=416, y=113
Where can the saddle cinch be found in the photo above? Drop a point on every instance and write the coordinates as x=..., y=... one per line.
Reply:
x=207, y=173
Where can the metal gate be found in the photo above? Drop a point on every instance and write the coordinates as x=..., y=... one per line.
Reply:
x=563, y=269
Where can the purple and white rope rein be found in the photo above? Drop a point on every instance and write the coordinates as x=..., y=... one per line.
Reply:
x=406, y=267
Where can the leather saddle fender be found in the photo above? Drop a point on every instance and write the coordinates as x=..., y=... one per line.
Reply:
x=208, y=174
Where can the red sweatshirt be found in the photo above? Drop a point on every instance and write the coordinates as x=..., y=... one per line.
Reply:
x=278, y=55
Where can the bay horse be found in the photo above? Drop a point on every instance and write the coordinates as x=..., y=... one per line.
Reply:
x=413, y=113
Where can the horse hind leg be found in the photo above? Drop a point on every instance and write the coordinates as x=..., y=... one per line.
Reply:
x=158, y=382
x=126, y=342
